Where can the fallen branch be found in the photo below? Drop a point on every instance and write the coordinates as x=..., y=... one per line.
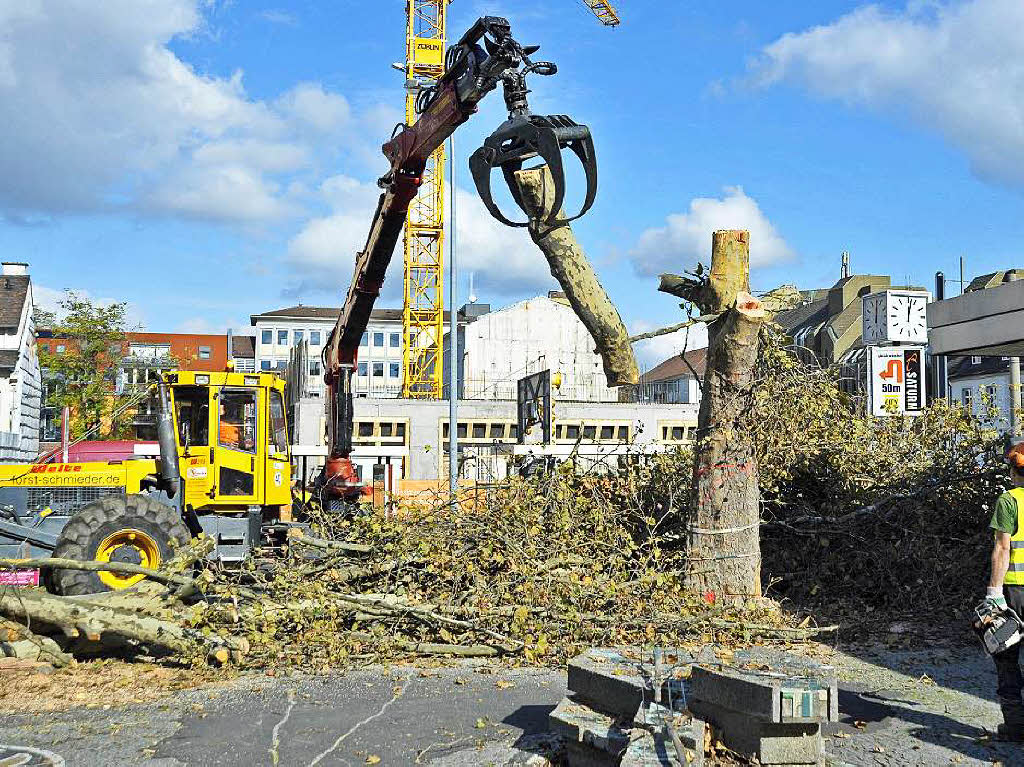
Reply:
x=321, y=543
x=95, y=622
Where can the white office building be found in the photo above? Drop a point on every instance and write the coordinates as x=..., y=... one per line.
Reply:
x=379, y=366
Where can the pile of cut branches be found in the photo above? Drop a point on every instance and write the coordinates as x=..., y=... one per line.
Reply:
x=534, y=570
x=872, y=520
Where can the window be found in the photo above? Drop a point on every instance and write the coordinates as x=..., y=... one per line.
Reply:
x=204, y=352
x=497, y=431
x=237, y=423
x=192, y=409
x=992, y=391
x=314, y=367
x=365, y=340
x=378, y=339
x=278, y=431
x=282, y=338
x=265, y=365
x=299, y=335
x=281, y=364
x=378, y=369
x=975, y=360
x=395, y=340
x=394, y=370
x=267, y=337
x=479, y=430
x=314, y=338
x=607, y=433
x=149, y=351
x=362, y=369
x=967, y=398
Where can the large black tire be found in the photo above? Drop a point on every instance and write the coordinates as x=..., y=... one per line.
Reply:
x=95, y=522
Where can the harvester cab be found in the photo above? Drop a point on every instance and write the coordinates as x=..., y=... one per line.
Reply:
x=223, y=469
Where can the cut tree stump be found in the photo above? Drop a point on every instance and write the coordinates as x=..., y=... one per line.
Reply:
x=724, y=550
x=569, y=265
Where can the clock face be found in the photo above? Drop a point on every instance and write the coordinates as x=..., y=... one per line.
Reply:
x=873, y=314
x=908, y=318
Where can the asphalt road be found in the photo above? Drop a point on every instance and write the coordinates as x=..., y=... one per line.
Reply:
x=398, y=715
x=923, y=707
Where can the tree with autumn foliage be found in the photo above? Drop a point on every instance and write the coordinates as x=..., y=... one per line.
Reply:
x=83, y=376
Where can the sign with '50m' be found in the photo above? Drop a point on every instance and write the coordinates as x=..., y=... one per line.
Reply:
x=896, y=382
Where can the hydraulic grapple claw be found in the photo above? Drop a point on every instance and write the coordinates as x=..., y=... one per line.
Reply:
x=523, y=137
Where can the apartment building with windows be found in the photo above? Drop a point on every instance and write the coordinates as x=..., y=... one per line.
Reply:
x=379, y=368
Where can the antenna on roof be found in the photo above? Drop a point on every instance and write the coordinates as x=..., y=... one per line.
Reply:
x=845, y=268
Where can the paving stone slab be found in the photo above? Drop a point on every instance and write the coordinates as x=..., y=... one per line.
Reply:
x=576, y=722
x=614, y=683
x=768, y=695
x=793, y=743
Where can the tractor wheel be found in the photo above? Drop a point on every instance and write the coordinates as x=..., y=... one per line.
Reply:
x=135, y=529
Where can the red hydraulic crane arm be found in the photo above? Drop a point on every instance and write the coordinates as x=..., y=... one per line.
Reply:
x=471, y=73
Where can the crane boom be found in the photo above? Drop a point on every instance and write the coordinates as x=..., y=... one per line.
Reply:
x=604, y=11
x=483, y=58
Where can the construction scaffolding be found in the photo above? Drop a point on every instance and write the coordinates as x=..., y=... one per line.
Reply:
x=423, y=307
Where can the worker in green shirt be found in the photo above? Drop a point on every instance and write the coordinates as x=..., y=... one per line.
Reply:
x=1006, y=588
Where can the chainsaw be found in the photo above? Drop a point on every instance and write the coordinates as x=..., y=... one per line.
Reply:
x=999, y=628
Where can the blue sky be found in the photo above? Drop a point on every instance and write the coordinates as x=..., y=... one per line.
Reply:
x=206, y=160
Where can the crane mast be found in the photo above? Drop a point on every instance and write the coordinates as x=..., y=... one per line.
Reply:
x=423, y=303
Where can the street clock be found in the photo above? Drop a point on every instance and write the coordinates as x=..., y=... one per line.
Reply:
x=895, y=316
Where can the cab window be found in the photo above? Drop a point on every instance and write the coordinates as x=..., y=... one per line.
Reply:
x=278, y=431
x=237, y=424
x=192, y=410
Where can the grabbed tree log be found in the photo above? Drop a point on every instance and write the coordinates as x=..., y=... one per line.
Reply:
x=569, y=265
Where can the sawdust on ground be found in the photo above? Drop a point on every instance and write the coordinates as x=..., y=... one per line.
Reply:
x=100, y=684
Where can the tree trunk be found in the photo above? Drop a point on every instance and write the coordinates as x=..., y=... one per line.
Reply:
x=569, y=265
x=724, y=552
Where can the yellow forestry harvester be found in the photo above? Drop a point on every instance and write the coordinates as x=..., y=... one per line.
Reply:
x=223, y=469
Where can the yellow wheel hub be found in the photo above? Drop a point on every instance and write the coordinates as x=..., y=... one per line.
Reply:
x=128, y=546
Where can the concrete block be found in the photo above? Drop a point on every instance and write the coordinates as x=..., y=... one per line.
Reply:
x=576, y=722
x=658, y=744
x=768, y=696
x=790, y=743
x=582, y=755
x=614, y=683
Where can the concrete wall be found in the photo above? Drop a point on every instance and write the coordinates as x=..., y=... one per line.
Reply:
x=540, y=333
x=983, y=322
x=424, y=432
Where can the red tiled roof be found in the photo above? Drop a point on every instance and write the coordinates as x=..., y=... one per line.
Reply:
x=675, y=367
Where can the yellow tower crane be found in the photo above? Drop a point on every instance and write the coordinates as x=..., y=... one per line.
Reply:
x=423, y=305
x=604, y=11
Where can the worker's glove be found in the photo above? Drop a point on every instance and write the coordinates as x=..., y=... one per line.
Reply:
x=994, y=595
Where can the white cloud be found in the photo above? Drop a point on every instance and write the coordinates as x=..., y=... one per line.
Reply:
x=654, y=351
x=101, y=115
x=316, y=108
x=686, y=237
x=956, y=68
x=277, y=16
x=505, y=261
